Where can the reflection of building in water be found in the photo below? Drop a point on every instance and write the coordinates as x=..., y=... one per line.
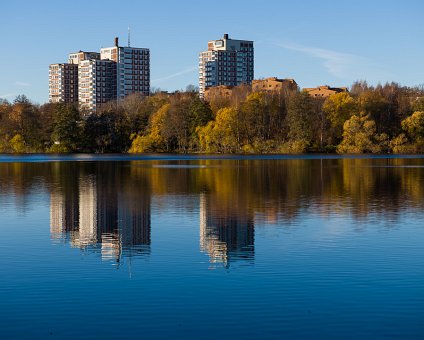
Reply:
x=94, y=219
x=57, y=202
x=134, y=222
x=107, y=217
x=225, y=234
x=87, y=213
x=63, y=214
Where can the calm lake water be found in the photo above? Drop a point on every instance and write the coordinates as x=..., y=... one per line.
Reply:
x=211, y=248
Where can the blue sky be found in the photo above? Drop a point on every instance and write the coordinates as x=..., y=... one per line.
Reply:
x=314, y=42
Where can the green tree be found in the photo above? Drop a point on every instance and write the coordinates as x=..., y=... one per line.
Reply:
x=201, y=113
x=66, y=134
x=107, y=131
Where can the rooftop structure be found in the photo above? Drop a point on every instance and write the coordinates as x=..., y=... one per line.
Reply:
x=77, y=57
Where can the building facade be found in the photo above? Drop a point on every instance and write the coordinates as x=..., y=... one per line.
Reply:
x=96, y=83
x=324, y=91
x=63, y=83
x=274, y=84
x=227, y=62
x=63, y=78
x=220, y=91
x=77, y=57
x=132, y=69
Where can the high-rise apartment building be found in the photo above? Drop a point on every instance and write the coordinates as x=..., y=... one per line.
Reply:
x=93, y=78
x=63, y=78
x=227, y=62
x=63, y=83
x=132, y=68
x=96, y=83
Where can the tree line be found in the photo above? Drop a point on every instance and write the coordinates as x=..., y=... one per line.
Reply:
x=382, y=119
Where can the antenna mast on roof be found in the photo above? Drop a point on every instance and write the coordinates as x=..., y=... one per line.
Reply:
x=129, y=32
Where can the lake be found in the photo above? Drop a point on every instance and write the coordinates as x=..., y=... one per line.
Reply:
x=249, y=247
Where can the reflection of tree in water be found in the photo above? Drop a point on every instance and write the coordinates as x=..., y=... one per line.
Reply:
x=226, y=234
x=99, y=212
x=106, y=205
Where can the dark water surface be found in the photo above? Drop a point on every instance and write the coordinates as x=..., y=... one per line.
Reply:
x=191, y=247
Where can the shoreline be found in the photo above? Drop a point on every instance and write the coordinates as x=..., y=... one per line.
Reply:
x=44, y=157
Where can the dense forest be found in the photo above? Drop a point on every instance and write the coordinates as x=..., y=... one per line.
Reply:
x=368, y=119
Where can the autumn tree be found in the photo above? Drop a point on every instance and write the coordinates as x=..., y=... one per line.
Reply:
x=418, y=104
x=359, y=87
x=360, y=136
x=139, y=108
x=153, y=140
x=24, y=120
x=412, y=140
x=374, y=104
x=222, y=134
x=339, y=108
x=186, y=113
x=5, y=107
x=17, y=144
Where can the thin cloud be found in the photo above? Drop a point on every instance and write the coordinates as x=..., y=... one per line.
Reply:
x=22, y=84
x=341, y=65
x=7, y=95
x=175, y=75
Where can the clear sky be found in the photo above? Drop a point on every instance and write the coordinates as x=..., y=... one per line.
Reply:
x=314, y=42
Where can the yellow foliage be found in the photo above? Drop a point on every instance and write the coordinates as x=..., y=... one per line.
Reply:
x=248, y=148
x=58, y=148
x=256, y=96
x=156, y=124
x=220, y=135
x=17, y=143
x=295, y=146
x=154, y=140
x=359, y=136
x=400, y=144
x=339, y=108
x=141, y=144
x=414, y=125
